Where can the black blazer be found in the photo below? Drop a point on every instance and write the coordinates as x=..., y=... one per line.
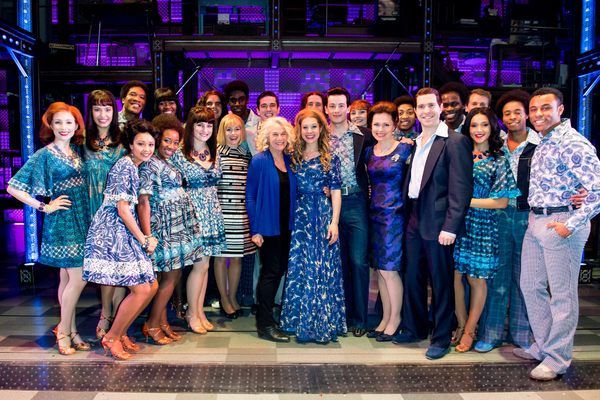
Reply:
x=446, y=187
x=361, y=142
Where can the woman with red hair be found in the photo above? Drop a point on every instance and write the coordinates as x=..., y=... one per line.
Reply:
x=55, y=171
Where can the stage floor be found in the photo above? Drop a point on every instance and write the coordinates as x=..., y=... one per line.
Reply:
x=233, y=360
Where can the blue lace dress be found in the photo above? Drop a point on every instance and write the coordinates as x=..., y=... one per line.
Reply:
x=172, y=216
x=50, y=173
x=201, y=185
x=96, y=165
x=313, y=303
x=112, y=255
x=476, y=253
x=386, y=213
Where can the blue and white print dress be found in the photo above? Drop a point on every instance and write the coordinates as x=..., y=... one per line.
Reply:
x=201, y=185
x=112, y=255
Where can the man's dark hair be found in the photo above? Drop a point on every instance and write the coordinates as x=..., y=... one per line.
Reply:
x=406, y=99
x=337, y=91
x=426, y=91
x=267, y=93
x=549, y=90
x=126, y=87
x=236, y=85
x=517, y=95
x=307, y=95
x=456, y=87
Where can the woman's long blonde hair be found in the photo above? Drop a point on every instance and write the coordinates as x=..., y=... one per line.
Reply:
x=323, y=142
x=262, y=140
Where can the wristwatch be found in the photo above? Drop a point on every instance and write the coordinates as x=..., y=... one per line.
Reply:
x=42, y=206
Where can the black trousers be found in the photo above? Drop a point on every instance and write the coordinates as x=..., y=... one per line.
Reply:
x=422, y=255
x=274, y=255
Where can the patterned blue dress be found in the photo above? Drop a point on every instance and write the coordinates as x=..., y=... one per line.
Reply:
x=386, y=212
x=50, y=173
x=96, y=165
x=476, y=253
x=112, y=255
x=201, y=186
x=172, y=216
x=313, y=303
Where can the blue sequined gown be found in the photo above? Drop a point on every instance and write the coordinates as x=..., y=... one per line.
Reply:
x=113, y=256
x=476, y=253
x=313, y=303
x=50, y=173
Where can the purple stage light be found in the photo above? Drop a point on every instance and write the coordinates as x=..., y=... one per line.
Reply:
x=385, y=56
x=352, y=56
x=260, y=54
x=228, y=54
x=310, y=55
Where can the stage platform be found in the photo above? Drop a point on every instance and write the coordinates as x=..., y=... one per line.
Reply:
x=234, y=363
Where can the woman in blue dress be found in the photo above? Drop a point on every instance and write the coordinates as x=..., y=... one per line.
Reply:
x=385, y=164
x=166, y=211
x=55, y=171
x=476, y=254
x=100, y=151
x=116, y=249
x=313, y=304
x=199, y=164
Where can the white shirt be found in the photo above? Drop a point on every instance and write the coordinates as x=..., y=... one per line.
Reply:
x=420, y=158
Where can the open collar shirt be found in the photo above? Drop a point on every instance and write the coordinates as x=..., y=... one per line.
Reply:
x=513, y=158
x=343, y=148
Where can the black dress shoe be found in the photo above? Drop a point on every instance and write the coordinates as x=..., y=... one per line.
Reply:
x=254, y=309
x=358, y=332
x=272, y=333
x=373, y=334
x=233, y=315
x=239, y=312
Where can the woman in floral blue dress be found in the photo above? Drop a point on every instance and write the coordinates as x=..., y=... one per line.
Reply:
x=476, y=254
x=55, y=171
x=313, y=305
x=100, y=152
x=385, y=164
x=199, y=164
x=116, y=249
x=166, y=211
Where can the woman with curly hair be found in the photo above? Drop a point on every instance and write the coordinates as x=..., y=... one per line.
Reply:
x=116, y=250
x=270, y=199
x=313, y=304
x=56, y=171
x=476, y=254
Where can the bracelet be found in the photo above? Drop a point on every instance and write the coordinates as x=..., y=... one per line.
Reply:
x=42, y=206
x=146, y=244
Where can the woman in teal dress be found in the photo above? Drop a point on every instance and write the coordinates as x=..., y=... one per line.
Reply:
x=476, y=254
x=101, y=150
x=55, y=171
x=199, y=164
x=166, y=211
x=313, y=303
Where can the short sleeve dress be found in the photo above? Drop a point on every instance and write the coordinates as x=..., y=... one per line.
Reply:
x=386, y=212
x=201, y=185
x=172, y=216
x=50, y=173
x=476, y=253
x=96, y=165
x=113, y=256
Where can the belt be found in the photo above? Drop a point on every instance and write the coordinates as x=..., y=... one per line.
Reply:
x=552, y=210
x=350, y=190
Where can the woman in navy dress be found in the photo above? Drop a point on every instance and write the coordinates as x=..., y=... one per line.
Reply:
x=476, y=254
x=101, y=150
x=270, y=199
x=116, y=249
x=386, y=167
x=313, y=304
x=56, y=171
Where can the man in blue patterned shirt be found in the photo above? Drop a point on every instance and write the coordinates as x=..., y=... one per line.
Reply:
x=563, y=162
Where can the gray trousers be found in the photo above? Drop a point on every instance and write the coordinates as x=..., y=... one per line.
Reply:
x=550, y=260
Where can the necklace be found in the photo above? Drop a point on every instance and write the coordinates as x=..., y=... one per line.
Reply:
x=202, y=155
x=62, y=153
x=481, y=155
x=102, y=141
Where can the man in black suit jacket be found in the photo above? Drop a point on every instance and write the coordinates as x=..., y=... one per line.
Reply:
x=437, y=194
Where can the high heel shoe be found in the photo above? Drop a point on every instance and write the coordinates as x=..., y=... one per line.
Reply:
x=207, y=325
x=457, y=335
x=128, y=344
x=232, y=315
x=463, y=348
x=170, y=333
x=179, y=308
x=100, y=332
x=81, y=346
x=109, y=344
x=197, y=328
x=384, y=337
x=148, y=332
x=64, y=350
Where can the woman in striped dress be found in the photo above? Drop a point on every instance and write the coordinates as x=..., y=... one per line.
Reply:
x=231, y=191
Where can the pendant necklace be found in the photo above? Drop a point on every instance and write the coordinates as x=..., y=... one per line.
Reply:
x=481, y=155
x=202, y=155
x=62, y=153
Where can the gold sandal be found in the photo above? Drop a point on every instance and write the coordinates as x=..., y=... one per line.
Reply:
x=463, y=348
